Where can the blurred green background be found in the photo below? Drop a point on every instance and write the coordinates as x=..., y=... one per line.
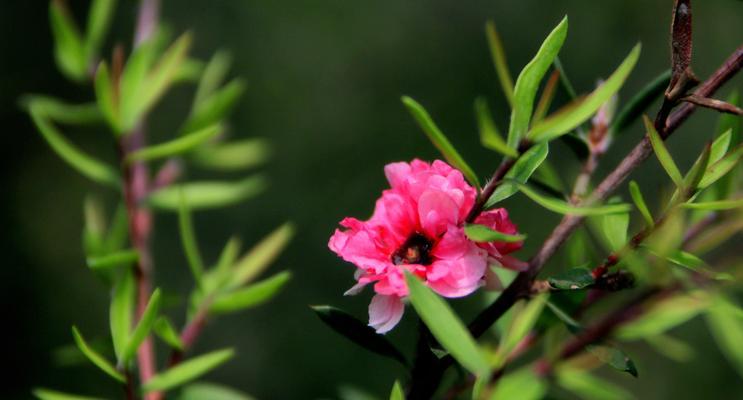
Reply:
x=325, y=79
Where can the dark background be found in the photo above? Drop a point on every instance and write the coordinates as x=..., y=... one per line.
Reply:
x=325, y=79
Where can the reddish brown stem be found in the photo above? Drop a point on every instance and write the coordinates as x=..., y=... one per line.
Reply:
x=190, y=333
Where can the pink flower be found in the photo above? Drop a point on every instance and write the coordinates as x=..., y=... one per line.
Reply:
x=417, y=226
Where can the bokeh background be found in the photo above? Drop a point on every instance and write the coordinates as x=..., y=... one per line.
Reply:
x=325, y=79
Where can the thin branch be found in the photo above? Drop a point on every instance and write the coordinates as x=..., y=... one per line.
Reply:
x=713, y=104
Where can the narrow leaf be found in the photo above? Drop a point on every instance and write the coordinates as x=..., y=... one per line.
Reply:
x=637, y=105
x=589, y=387
x=438, y=139
x=165, y=330
x=250, y=296
x=521, y=171
x=490, y=137
x=189, y=242
x=573, y=115
x=230, y=156
x=397, y=392
x=210, y=391
x=565, y=208
x=528, y=81
x=215, y=107
x=207, y=194
x=614, y=227
x=48, y=394
x=446, y=327
x=68, y=50
x=97, y=359
x=726, y=325
x=722, y=167
x=212, y=76
x=663, y=316
x=83, y=163
x=124, y=257
x=662, y=153
x=483, y=234
x=176, y=146
x=63, y=112
x=121, y=311
x=614, y=357
x=358, y=332
x=522, y=384
x=261, y=255
x=143, y=327
x=104, y=94
x=716, y=205
x=187, y=371
x=548, y=94
x=521, y=324
x=499, y=60
x=634, y=190
x=99, y=19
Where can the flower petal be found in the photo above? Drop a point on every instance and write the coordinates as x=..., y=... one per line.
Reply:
x=385, y=312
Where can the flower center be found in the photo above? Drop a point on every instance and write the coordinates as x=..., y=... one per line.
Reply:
x=415, y=250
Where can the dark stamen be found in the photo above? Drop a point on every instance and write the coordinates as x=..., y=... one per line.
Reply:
x=415, y=250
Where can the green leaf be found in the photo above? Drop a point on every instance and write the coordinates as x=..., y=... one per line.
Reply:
x=212, y=76
x=68, y=50
x=83, y=163
x=716, y=205
x=573, y=115
x=261, y=255
x=99, y=19
x=562, y=207
x=637, y=105
x=215, y=107
x=572, y=279
x=528, y=81
x=165, y=330
x=63, y=112
x=189, y=242
x=358, y=332
x=686, y=259
x=124, y=257
x=250, y=296
x=521, y=324
x=521, y=172
x=207, y=194
x=210, y=391
x=589, y=387
x=48, y=394
x=121, y=311
x=726, y=325
x=663, y=316
x=133, y=80
x=721, y=167
x=499, y=60
x=483, y=234
x=97, y=359
x=230, y=156
x=733, y=123
x=143, y=327
x=162, y=75
x=634, y=190
x=522, y=384
x=446, y=327
x=104, y=94
x=438, y=139
x=614, y=357
x=697, y=171
x=671, y=347
x=187, y=371
x=614, y=227
x=397, y=393
x=490, y=137
x=548, y=95
x=662, y=153
x=176, y=146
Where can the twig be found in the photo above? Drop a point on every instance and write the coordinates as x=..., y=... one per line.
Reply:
x=136, y=188
x=189, y=334
x=713, y=104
